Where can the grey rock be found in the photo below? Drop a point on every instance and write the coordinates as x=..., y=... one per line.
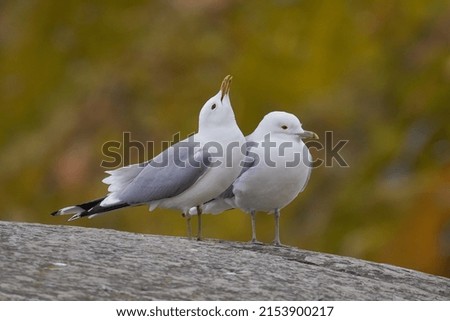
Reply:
x=50, y=262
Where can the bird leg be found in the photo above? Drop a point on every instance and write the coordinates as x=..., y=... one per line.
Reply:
x=253, y=217
x=199, y=231
x=188, y=224
x=276, y=241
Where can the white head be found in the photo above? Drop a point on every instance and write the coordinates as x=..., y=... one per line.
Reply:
x=217, y=111
x=282, y=123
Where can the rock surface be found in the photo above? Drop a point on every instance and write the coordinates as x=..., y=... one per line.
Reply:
x=46, y=262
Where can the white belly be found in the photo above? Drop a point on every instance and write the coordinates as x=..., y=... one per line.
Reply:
x=266, y=188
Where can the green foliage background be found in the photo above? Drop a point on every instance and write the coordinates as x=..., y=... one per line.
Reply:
x=76, y=74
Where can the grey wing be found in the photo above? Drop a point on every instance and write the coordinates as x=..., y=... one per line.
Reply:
x=169, y=174
x=228, y=193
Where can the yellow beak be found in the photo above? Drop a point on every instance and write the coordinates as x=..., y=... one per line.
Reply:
x=225, y=87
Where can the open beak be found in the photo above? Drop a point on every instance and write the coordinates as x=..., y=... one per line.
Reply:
x=308, y=134
x=225, y=87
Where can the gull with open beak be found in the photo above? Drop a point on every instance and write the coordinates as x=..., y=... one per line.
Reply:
x=277, y=168
x=185, y=175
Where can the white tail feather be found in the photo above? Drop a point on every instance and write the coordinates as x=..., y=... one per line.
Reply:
x=70, y=210
x=216, y=206
x=121, y=177
x=193, y=211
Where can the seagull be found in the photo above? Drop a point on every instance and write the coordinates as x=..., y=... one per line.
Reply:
x=185, y=175
x=276, y=169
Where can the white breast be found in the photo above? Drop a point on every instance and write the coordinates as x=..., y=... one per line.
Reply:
x=266, y=186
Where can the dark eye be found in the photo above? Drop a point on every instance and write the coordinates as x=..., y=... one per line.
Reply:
x=213, y=107
x=284, y=127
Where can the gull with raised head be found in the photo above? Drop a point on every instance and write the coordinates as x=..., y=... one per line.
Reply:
x=185, y=175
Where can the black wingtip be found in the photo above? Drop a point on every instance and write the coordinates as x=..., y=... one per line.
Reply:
x=54, y=213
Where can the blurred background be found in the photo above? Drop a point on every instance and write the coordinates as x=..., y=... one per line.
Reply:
x=77, y=74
